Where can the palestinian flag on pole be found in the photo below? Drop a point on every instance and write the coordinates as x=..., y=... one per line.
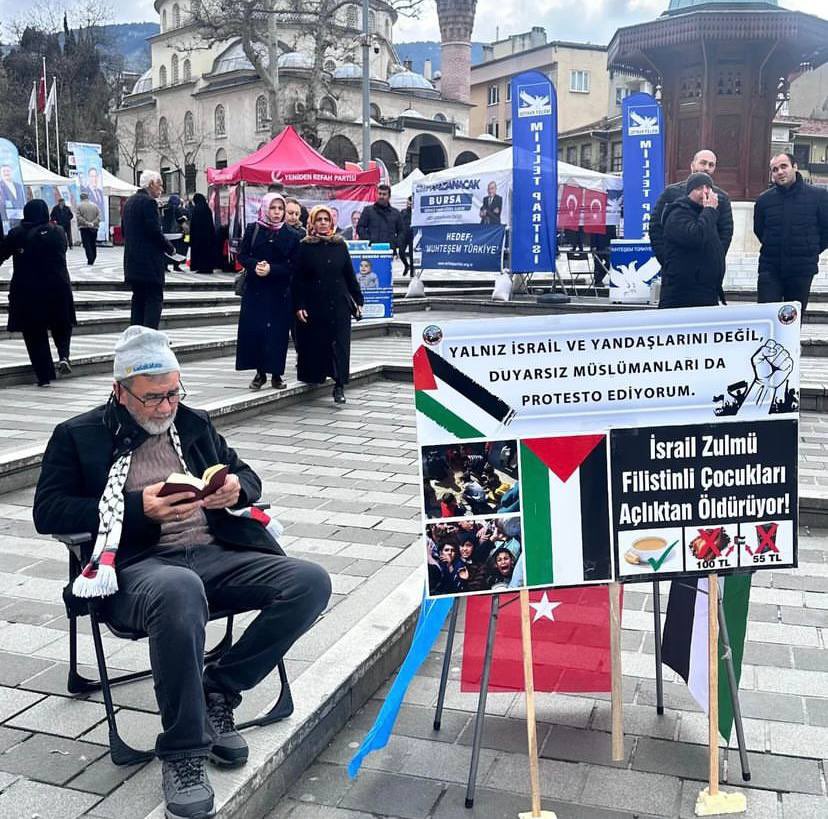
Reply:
x=455, y=402
x=566, y=510
x=684, y=645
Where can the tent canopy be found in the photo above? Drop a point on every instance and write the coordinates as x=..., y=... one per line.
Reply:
x=403, y=189
x=113, y=186
x=33, y=174
x=290, y=160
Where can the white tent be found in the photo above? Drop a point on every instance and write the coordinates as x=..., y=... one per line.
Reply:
x=402, y=190
x=113, y=186
x=33, y=174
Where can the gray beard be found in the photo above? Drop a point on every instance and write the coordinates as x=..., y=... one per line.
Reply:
x=155, y=427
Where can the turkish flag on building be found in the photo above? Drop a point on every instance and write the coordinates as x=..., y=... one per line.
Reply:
x=570, y=641
x=595, y=211
x=569, y=207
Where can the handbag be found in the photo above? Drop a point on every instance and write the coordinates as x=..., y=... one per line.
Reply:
x=240, y=282
x=354, y=308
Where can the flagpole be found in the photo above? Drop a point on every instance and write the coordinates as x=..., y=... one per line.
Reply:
x=46, y=121
x=37, y=129
x=57, y=125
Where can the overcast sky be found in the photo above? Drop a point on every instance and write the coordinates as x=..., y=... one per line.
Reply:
x=581, y=20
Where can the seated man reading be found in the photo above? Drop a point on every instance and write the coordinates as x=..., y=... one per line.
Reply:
x=160, y=562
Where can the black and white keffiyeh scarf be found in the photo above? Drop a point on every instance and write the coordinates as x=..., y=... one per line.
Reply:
x=98, y=577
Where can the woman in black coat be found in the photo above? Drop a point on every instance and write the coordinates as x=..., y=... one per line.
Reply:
x=267, y=252
x=173, y=218
x=40, y=293
x=203, y=242
x=325, y=296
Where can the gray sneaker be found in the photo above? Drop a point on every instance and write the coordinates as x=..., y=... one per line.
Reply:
x=187, y=791
x=229, y=748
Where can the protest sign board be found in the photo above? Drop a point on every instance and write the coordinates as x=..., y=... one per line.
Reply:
x=633, y=270
x=535, y=436
x=462, y=247
x=372, y=269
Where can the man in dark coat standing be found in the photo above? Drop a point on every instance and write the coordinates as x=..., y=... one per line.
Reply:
x=160, y=563
x=63, y=216
x=693, y=266
x=790, y=219
x=381, y=223
x=144, y=249
x=407, y=239
x=703, y=162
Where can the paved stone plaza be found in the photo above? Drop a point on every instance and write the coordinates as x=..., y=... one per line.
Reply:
x=345, y=483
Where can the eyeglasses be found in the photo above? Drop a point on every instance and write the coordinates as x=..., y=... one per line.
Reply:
x=154, y=400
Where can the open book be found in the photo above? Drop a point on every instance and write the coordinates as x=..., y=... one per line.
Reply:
x=211, y=481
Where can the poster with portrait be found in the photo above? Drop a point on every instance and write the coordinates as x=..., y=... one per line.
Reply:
x=88, y=167
x=372, y=269
x=603, y=446
x=483, y=198
x=12, y=191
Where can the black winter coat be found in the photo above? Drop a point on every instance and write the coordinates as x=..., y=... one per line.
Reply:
x=672, y=193
x=62, y=216
x=381, y=224
x=77, y=461
x=204, y=249
x=792, y=225
x=267, y=304
x=693, y=260
x=324, y=285
x=144, y=242
x=40, y=292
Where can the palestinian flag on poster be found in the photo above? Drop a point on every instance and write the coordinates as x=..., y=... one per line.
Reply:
x=566, y=533
x=684, y=645
x=455, y=402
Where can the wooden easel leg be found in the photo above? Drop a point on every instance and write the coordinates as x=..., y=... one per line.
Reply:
x=441, y=694
x=616, y=697
x=657, y=641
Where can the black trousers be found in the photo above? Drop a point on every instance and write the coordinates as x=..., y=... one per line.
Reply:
x=89, y=239
x=407, y=256
x=68, y=232
x=168, y=595
x=773, y=287
x=146, y=305
x=40, y=353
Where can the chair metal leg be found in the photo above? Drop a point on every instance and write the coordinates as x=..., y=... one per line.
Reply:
x=282, y=709
x=223, y=646
x=76, y=683
x=119, y=751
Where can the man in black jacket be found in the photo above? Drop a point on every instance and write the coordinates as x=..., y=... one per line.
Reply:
x=790, y=219
x=703, y=162
x=381, y=223
x=144, y=249
x=693, y=265
x=173, y=558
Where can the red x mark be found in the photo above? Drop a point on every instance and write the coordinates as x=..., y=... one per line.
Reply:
x=709, y=543
x=767, y=538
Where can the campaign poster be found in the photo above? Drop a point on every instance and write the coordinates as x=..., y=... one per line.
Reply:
x=633, y=271
x=372, y=269
x=89, y=174
x=12, y=191
x=643, y=167
x=483, y=198
x=587, y=446
x=462, y=247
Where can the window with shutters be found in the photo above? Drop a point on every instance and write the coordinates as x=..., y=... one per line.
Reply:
x=187, y=71
x=262, y=118
x=174, y=69
x=189, y=127
x=219, y=121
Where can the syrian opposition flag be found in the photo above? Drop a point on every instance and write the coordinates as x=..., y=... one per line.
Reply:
x=454, y=401
x=595, y=208
x=684, y=645
x=570, y=641
x=564, y=487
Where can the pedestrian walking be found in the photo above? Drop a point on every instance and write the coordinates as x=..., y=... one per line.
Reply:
x=63, y=216
x=89, y=219
x=407, y=240
x=693, y=259
x=173, y=219
x=144, y=250
x=381, y=223
x=268, y=253
x=40, y=292
x=203, y=241
x=790, y=219
x=325, y=297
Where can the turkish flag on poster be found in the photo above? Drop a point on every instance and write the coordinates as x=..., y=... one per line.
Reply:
x=569, y=208
x=570, y=641
x=595, y=212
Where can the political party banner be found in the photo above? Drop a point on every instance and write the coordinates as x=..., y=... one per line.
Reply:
x=462, y=247
x=633, y=270
x=463, y=199
x=543, y=440
x=12, y=191
x=643, y=166
x=535, y=173
x=373, y=273
x=89, y=175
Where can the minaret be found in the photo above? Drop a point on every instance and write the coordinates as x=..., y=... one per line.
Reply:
x=456, y=24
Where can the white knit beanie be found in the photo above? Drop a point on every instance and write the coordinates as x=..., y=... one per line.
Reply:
x=143, y=351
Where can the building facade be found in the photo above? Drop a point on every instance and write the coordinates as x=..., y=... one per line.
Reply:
x=200, y=107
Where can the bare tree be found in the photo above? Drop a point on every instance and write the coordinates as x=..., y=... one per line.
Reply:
x=131, y=145
x=178, y=145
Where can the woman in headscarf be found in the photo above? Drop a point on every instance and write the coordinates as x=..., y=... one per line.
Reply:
x=203, y=242
x=325, y=297
x=173, y=218
x=40, y=293
x=267, y=252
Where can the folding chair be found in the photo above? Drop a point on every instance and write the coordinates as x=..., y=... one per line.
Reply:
x=575, y=277
x=120, y=752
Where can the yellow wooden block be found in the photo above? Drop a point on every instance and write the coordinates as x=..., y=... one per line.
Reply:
x=720, y=803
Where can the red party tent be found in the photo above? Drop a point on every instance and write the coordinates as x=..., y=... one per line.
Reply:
x=288, y=159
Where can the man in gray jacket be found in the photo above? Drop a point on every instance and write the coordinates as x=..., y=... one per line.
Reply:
x=89, y=218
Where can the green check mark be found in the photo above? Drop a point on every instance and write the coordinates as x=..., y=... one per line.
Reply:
x=656, y=564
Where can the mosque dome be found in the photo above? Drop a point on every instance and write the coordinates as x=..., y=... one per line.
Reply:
x=677, y=6
x=409, y=81
x=143, y=84
x=348, y=71
x=232, y=58
x=296, y=60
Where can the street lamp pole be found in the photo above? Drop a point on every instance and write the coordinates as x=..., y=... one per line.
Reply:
x=366, y=88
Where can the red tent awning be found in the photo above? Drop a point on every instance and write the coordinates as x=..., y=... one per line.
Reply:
x=290, y=160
